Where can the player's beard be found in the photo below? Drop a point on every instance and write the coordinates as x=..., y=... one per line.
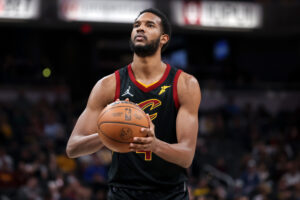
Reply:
x=146, y=50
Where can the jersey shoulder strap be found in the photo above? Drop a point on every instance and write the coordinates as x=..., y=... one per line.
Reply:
x=118, y=74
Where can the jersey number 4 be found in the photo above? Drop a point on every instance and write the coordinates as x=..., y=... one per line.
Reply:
x=148, y=155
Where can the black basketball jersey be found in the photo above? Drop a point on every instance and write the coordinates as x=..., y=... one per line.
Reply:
x=145, y=170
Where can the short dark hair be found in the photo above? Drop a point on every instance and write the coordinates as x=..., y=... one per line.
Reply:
x=166, y=26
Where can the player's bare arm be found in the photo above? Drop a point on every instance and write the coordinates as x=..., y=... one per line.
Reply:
x=84, y=138
x=181, y=153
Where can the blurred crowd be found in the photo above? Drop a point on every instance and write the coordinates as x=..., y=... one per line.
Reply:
x=252, y=155
x=243, y=153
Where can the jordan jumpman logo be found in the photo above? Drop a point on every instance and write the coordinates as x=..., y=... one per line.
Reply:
x=127, y=92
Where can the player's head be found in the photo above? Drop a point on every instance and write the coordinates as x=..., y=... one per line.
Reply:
x=151, y=31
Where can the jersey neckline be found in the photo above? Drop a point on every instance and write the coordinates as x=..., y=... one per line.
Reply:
x=152, y=87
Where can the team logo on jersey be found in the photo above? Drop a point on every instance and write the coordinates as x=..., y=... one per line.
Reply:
x=147, y=155
x=127, y=92
x=163, y=89
x=152, y=103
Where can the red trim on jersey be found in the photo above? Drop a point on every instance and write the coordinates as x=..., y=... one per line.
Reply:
x=117, y=75
x=175, y=93
x=148, y=89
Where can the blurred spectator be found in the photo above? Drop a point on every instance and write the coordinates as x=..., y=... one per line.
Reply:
x=250, y=177
x=75, y=190
x=31, y=190
x=52, y=127
x=8, y=178
x=6, y=161
x=221, y=165
x=65, y=164
x=257, y=150
x=6, y=131
x=292, y=175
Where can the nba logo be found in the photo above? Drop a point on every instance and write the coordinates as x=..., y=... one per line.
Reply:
x=127, y=114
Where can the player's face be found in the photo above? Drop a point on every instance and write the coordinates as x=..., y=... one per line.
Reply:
x=146, y=35
x=146, y=28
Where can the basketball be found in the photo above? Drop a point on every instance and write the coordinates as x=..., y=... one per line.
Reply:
x=119, y=123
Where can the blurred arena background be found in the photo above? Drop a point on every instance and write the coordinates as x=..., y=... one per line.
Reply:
x=245, y=54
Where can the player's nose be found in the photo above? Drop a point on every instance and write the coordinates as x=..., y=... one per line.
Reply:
x=140, y=29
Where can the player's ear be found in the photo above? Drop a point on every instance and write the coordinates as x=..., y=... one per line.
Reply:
x=164, y=38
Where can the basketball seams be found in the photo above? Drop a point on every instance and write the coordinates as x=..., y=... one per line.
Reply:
x=120, y=106
x=133, y=105
x=125, y=102
x=113, y=138
x=115, y=122
x=105, y=122
x=102, y=113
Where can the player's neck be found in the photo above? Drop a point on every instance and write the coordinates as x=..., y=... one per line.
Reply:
x=148, y=68
x=147, y=65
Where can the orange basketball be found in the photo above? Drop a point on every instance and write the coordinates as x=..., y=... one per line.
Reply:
x=119, y=122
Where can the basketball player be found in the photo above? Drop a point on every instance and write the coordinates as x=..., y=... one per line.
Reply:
x=156, y=167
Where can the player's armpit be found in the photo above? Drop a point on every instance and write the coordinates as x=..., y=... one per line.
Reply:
x=84, y=138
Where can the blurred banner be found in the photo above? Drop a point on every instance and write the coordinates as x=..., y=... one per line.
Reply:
x=119, y=11
x=217, y=14
x=19, y=9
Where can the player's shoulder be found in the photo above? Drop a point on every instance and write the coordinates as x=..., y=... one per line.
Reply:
x=107, y=80
x=104, y=89
x=188, y=90
x=187, y=81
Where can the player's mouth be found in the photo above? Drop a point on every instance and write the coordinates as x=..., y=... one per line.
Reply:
x=140, y=38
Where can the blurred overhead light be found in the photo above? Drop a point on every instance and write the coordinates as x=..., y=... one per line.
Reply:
x=85, y=29
x=19, y=9
x=118, y=11
x=46, y=72
x=217, y=14
x=221, y=50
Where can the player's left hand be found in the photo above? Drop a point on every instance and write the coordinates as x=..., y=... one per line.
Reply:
x=148, y=143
